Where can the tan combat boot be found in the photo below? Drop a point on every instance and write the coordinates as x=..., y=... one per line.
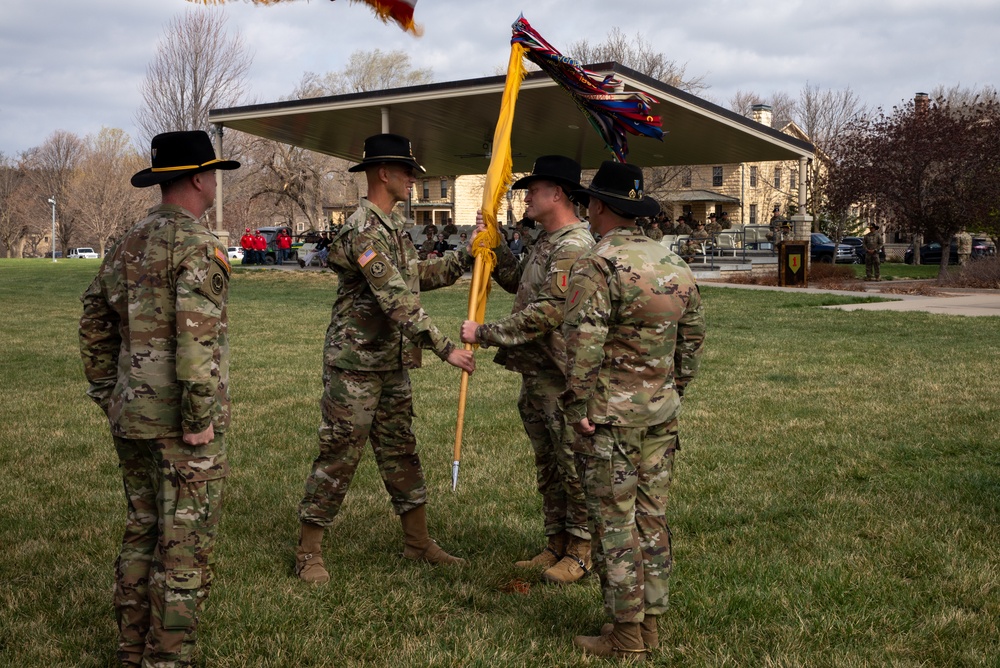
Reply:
x=418, y=544
x=574, y=565
x=650, y=633
x=624, y=641
x=308, y=560
x=548, y=557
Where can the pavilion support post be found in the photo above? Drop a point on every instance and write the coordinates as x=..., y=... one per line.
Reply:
x=385, y=120
x=802, y=221
x=220, y=230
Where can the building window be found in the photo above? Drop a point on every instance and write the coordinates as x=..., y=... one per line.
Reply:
x=686, y=178
x=444, y=188
x=716, y=176
x=777, y=178
x=791, y=179
x=753, y=214
x=427, y=190
x=753, y=176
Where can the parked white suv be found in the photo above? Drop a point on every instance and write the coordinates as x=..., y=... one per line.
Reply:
x=83, y=253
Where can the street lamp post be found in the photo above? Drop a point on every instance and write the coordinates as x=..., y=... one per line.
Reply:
x=52, y=201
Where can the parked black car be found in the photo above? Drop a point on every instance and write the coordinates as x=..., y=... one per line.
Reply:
x=822, y=249
x=858, y=244
x=931, y=253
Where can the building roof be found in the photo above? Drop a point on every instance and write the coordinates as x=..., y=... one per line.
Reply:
x=451, y=125
x=699, y=196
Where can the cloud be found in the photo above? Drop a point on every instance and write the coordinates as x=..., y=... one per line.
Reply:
x=66, y=64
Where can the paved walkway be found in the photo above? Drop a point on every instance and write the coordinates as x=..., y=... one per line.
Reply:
x=949, y=302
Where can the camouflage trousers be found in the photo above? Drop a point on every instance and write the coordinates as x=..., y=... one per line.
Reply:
x=164, y=571
x=358, y=406
x=872, y=264
x=627, y=497
x=564, y=507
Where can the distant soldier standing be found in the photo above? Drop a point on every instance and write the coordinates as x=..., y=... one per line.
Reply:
x=963, y=245
x=531, y=344
x=873, y=249
x=634, y=331
x=375, y=335
x=155, y=351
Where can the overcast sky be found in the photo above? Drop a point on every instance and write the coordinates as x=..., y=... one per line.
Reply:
x=76, y=65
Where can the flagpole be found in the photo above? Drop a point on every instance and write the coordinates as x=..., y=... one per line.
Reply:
x=478, y=269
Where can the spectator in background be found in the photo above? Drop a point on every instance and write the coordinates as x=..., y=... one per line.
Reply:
x=516, y=245
x=683, y=225
x=653, y=230
x=440, y=246
x=283, y=246
x=427, y=248
x=430, y=229
x=246, y=243
x=448, y=230
x=259, y=248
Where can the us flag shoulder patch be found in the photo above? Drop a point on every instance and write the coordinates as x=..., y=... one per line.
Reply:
x=223, y=260
x=366, y=257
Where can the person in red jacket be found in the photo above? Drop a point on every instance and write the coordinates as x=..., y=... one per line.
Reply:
x=283, y=244
x=246, y=243
x=259, y=247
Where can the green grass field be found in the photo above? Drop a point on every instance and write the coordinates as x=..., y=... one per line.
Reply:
x=836, y=500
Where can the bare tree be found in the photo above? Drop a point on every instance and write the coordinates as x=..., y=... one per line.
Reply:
x=783, y=107
x=13, y=223
x=287, y=180
x=960, y=96
x=365, y=71
x=105, y=202
x=49, y=168
x=197, y=67
x=639, y=55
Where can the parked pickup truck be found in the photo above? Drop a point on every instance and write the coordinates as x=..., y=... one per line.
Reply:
x=82, y=253
x=822, y=249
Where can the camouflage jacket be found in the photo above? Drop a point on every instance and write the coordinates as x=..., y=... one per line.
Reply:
x=378, y=323
x=153, y=335
x=530, y=337
x=634, y=330
x=873, y=242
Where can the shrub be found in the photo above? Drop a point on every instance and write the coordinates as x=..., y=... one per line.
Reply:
x=982, y=272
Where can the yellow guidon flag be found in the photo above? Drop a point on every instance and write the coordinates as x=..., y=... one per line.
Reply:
x=498, y=180
x=400, y=11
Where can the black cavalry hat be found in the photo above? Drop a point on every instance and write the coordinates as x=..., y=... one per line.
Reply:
x=387, y=148
x=619, y=185
x=556, y=168
x=176, y=154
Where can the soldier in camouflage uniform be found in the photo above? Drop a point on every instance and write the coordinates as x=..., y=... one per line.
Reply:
x=156, y=355
x=634, y=331
x=531, y=344
x=873, y=249
x=375, y=335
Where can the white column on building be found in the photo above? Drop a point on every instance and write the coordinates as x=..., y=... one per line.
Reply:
x=385, y=120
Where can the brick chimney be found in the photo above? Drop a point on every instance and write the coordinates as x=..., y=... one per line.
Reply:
x=921, y=103
x=762, y=114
